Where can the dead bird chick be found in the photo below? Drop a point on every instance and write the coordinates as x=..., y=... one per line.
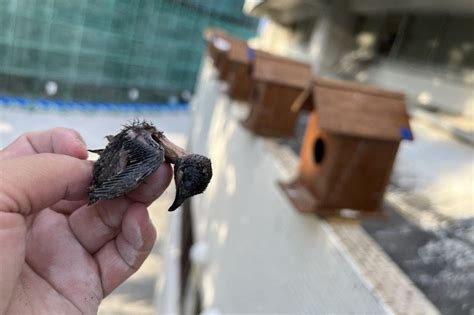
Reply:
x=135, y=153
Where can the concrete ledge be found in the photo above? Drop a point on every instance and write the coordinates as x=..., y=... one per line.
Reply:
x=264, y=256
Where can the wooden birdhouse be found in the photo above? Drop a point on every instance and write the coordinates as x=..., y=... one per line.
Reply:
x=235, y=54
x=276, y=83
x=217, y=44
x=349, y=148
x=224, y=49
x=239, y=75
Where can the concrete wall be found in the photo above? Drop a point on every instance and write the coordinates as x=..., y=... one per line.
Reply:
x=330, y=44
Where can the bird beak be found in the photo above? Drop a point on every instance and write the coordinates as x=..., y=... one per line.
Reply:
x=178, y=199
x=177, y=202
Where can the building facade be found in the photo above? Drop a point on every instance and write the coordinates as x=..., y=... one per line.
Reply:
x=422, y=48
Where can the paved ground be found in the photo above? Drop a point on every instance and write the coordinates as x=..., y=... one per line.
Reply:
x=440, y=263
x=431, y=233
x=136, y=295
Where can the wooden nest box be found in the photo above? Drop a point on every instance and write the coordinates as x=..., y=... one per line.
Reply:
x=217, y=44
x=235, y=55
x=225, y=51
x=349, y=148
x=276, y=83
x=239, y=75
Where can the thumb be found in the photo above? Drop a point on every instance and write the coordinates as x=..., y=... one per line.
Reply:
x=29, y=184
x=32, y=183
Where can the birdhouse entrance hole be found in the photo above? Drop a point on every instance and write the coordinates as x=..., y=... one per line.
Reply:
x=319, y=150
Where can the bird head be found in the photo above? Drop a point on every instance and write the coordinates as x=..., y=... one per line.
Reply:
x=192, y=174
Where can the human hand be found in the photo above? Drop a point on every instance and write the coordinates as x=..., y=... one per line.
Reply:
x=57, y=254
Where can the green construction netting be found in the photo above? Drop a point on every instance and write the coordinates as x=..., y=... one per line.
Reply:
x=152, y=44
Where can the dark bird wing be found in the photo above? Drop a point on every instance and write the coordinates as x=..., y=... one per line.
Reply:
x=122, y=166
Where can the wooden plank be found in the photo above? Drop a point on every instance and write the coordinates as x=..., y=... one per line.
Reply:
x=304, y=100
x=240, y=81
x=281, y=71
x=350, y=173
x=239, y=52
x=355, y=113
x=357, y=172
x=270, y=114
x=357, y=87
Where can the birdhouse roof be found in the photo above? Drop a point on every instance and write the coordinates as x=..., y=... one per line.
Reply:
x=280, y=70
x=360, y=110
